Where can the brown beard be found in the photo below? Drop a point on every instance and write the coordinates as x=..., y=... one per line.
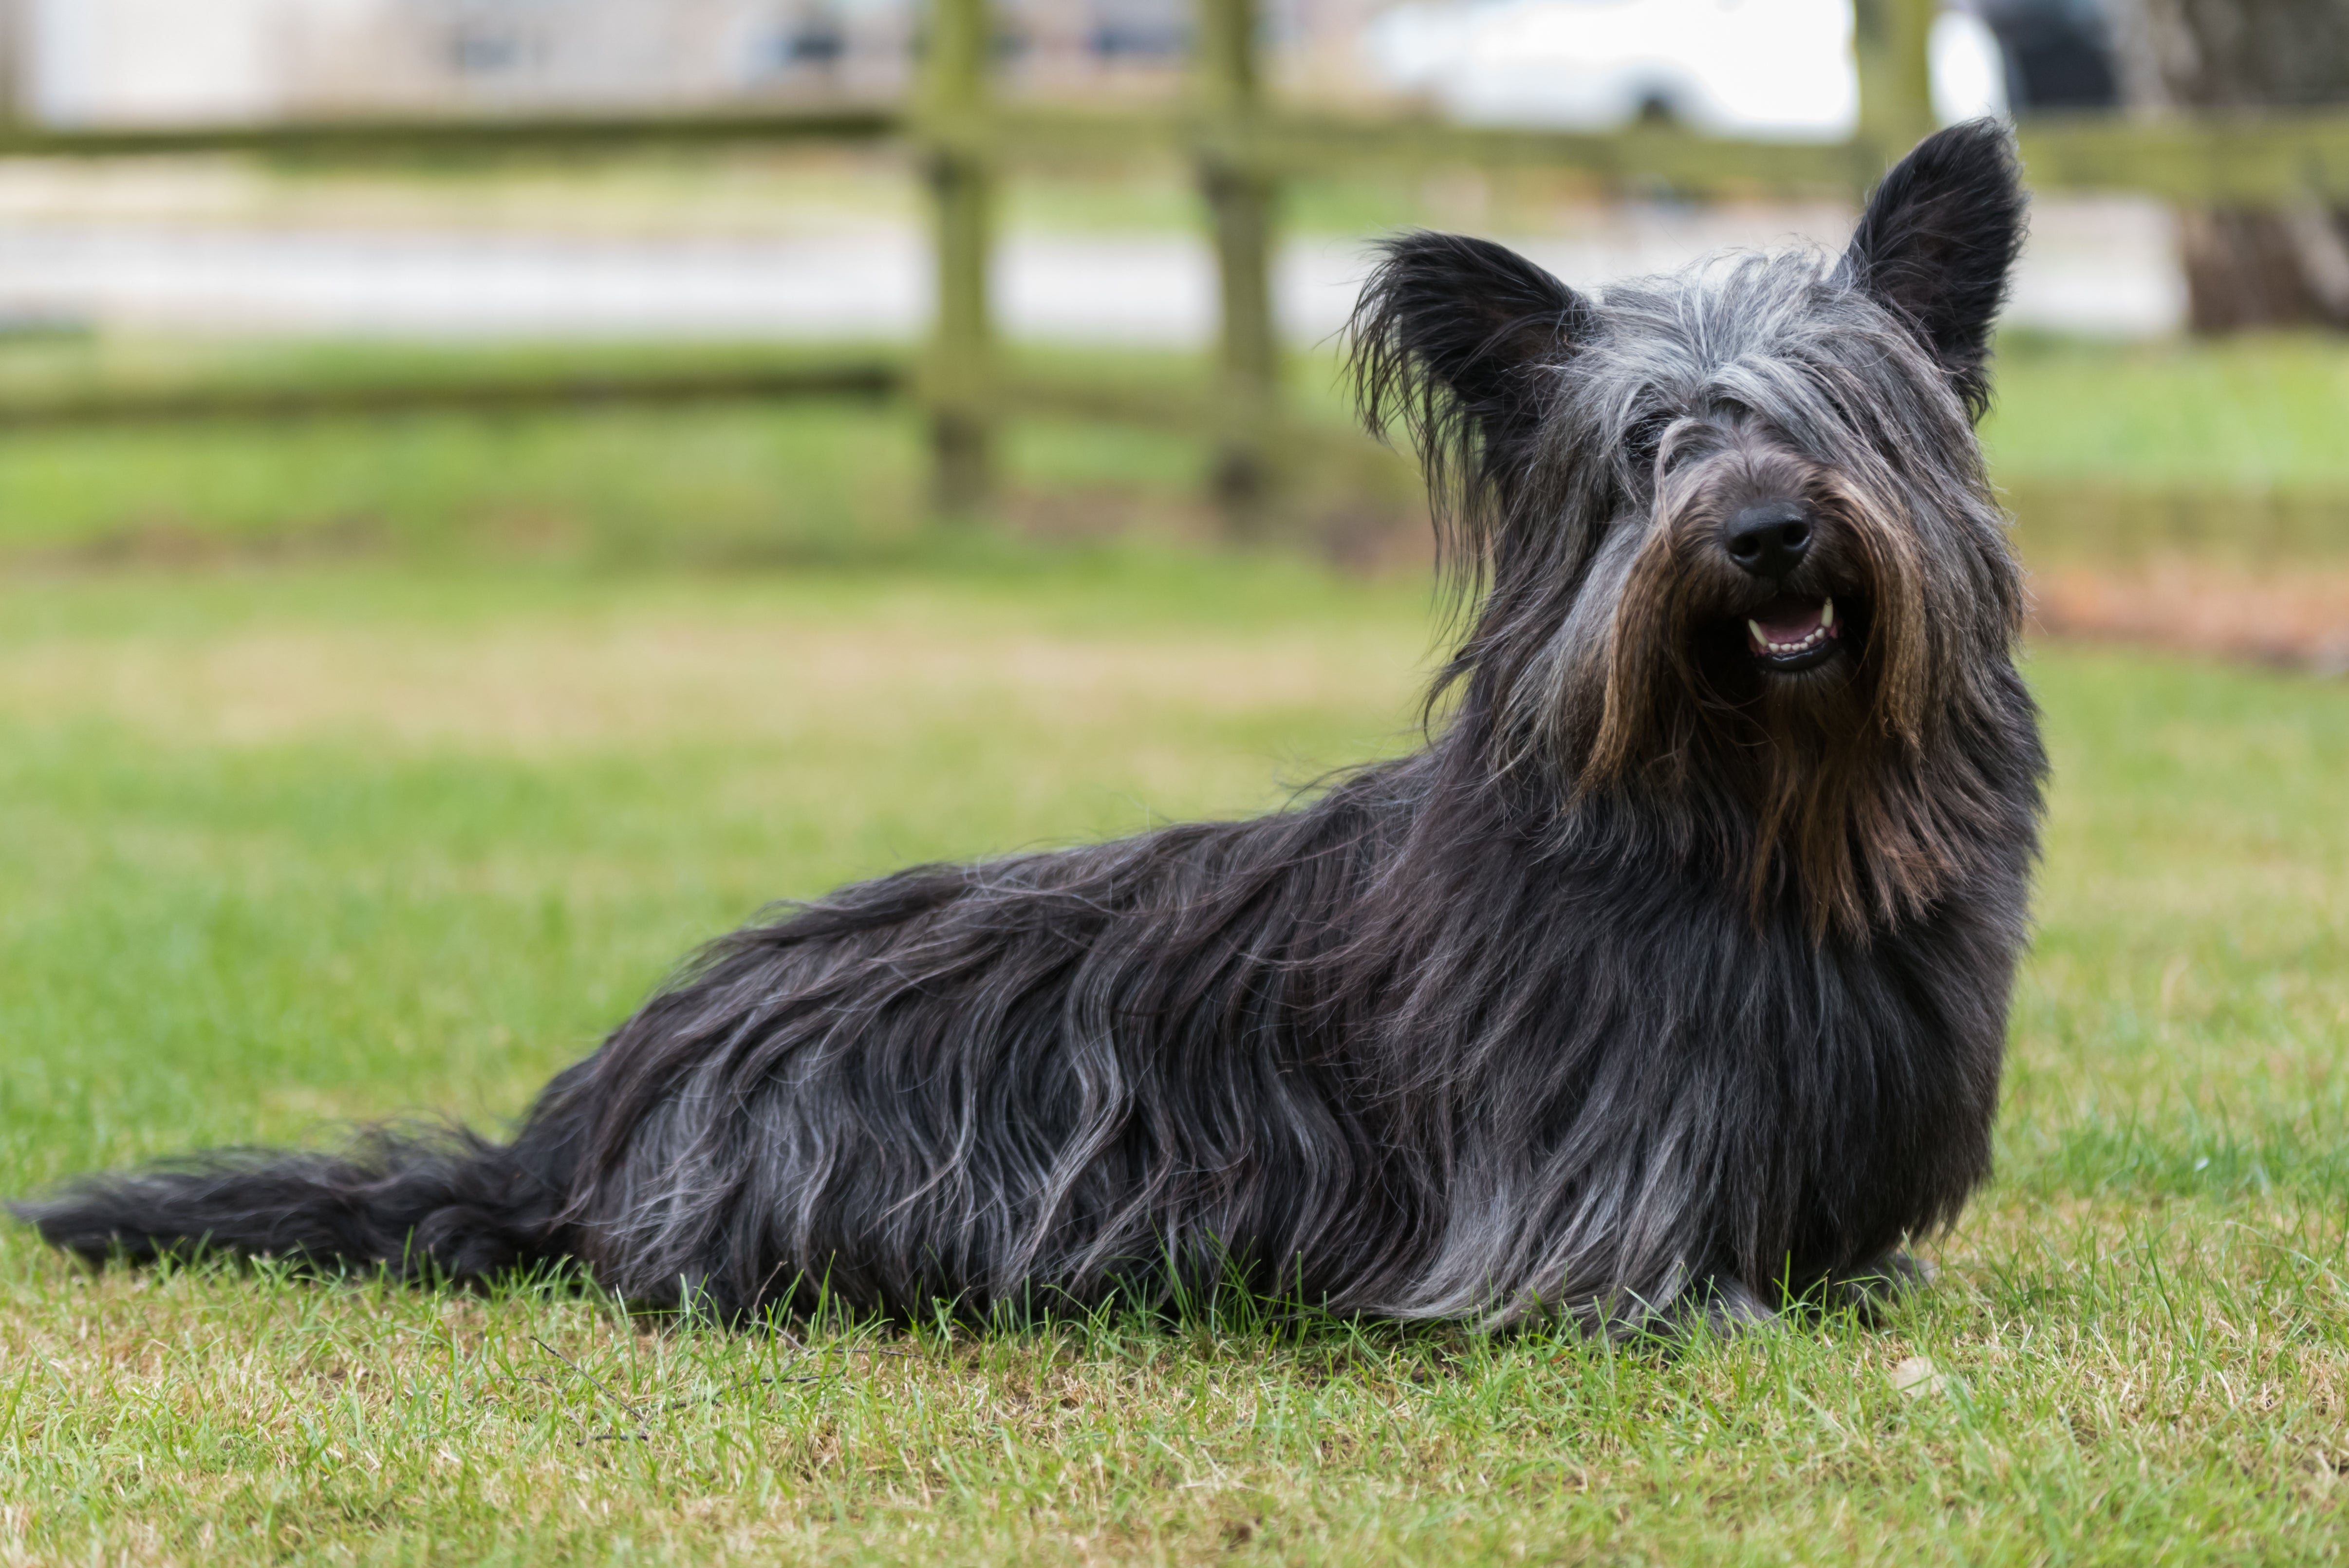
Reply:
x=1827, y=765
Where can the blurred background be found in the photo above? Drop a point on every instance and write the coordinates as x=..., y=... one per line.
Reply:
x=773, y=279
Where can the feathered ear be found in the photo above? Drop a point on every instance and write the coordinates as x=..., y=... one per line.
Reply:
x=1448, y=336
x=1938, y=241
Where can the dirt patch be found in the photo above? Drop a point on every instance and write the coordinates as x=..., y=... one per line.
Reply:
x=2293, y=616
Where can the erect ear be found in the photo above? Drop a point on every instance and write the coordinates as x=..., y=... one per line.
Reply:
x=1449, y=335
x=1937, y=240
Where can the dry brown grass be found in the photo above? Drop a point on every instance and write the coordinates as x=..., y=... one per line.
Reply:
x=544, y=689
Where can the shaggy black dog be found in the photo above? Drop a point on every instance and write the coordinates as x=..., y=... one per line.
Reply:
x=1672, y=977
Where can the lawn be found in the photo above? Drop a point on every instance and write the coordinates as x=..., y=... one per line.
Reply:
x=2231, y=453
x=286, y=844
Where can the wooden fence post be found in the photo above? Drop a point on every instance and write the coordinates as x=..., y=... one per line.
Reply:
x=15, y=63
x=957, y=379
x=1891, y=44
x=1240, y=199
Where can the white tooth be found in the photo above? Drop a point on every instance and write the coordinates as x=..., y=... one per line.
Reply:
x=1826, y=615
x=1755, y=628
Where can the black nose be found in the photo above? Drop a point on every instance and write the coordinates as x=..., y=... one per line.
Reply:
x=1770, y=538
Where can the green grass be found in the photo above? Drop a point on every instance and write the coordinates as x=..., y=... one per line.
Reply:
x=2104, y=450
x=811, y=479
x=2229, y=450
x=2245, y=415
x=283, y=846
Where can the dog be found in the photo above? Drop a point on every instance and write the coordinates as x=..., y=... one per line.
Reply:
x=1667, y=981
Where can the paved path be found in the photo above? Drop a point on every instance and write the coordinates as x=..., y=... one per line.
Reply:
x=2104, y=268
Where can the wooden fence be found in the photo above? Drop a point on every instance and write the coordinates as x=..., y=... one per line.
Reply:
x=1242, y=145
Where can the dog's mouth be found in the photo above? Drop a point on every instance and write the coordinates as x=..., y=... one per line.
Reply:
x=1794, y=632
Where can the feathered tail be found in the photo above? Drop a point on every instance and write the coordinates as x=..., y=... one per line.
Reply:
x=427, y=1204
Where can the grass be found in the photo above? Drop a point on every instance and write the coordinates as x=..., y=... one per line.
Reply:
x=2244, y=414
x=283, y=846
x=2227, y=451
x=2106, y=451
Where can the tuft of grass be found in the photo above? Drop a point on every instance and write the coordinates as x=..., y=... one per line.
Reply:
x=284, y=848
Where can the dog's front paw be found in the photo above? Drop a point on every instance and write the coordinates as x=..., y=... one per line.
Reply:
x=1873, y=1293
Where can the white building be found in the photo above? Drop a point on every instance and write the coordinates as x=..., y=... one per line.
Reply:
x=128, y=61
x=89, y=60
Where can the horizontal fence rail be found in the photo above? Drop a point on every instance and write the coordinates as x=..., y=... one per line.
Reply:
x=403, y=136
x=2252, y=157
x=1242, y=148
x=457, y=386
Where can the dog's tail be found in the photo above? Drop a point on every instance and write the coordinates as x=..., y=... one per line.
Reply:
x=421, y=1203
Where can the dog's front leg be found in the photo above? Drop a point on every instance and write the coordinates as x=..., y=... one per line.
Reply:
x=1872, y=1293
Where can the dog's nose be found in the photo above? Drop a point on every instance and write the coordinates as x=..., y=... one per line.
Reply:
x=1770, y=538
